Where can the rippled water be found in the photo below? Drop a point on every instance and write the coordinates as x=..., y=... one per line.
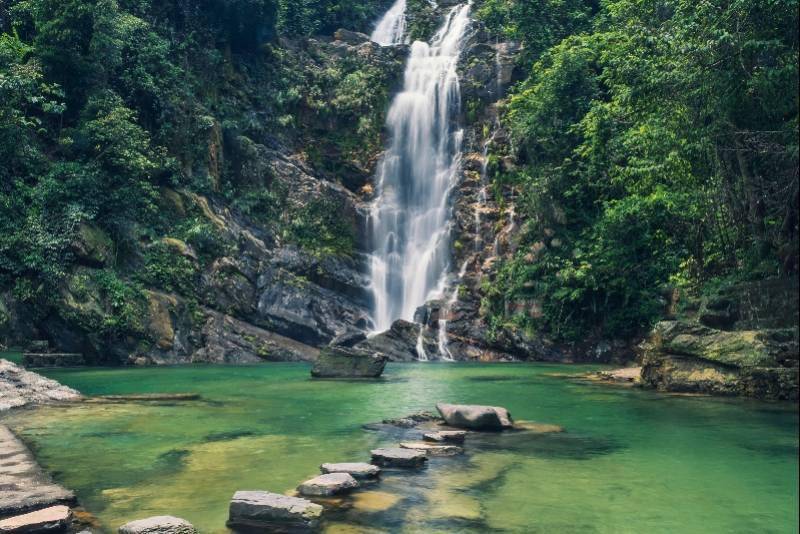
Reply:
x=629, y=461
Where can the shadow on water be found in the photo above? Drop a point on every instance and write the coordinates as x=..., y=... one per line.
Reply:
x=227, y=436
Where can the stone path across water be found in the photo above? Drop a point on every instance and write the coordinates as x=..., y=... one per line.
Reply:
x=23, y=485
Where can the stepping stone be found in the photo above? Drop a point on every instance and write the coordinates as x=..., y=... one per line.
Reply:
x=266, y=510
x=475, y=417
x=398, y=457
x=52, y=519
x=328, y=484
x=433, y=449
x=453, y=436
x=359, y=470
x=160, y=524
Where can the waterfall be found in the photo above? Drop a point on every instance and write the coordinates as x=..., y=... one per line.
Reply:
x=391, y=28
x=409, y=220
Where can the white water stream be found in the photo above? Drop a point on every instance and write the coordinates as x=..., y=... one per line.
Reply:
x=410, y=218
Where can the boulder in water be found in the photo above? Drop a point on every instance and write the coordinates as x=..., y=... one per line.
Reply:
x=51, y=519
x=358, y=470
x=398, y=457
x=342, y=362
x=328, y=484
x=272, y=512
x=161, y=524
x=475, y=417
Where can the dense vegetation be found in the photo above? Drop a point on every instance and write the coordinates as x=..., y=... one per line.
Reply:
x=107, y=107
x=657, y=143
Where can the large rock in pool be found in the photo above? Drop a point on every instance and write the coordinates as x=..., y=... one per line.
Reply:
x=51, y=519
x=343, y=362
x=328, y=484
x=272, y=512
x=397, y=457
x=475, y=417
x=160, y=524
x=355, y=469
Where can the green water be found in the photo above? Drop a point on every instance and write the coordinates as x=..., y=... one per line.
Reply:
x=629, y=461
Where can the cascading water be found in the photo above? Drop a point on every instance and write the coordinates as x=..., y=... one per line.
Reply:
x=409, y=222
x=391, y=28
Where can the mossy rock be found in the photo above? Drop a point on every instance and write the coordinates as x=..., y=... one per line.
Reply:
x=92, y=246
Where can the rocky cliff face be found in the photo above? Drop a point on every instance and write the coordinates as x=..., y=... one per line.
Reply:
x=220, y=283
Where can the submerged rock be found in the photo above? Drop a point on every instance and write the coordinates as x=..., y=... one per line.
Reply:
x=398, y=457
x=52, y=519
x=412, y=420
x=432, y=449
x=359, y=470
x=328, y=484
x=453, y=436
x=161, y=524
x=342, y=362
x=475, y=417
x=262, y=509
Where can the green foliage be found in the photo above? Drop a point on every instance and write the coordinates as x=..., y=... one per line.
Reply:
x=658, y=148
x=166, y=268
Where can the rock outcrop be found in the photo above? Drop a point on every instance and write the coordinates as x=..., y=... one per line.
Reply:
x=342, y=362
x=19, y=387
x=685, y=356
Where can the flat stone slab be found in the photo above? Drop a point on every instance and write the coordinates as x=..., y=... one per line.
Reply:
x=450, y=436
x=160, y=524
x=328, y=484
x=398, y=457
x=432, y=449
x=263, y=509
x=23, y=484
x=359, y=470
x=51, y=519
x=475, y=417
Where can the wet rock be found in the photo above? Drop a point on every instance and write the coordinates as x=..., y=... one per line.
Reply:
x=265, y=510
x=23, y=485
x=162, y=524
x=226, y=339
x=51, y=519
x=475, y=417
x=432, y=449
x=452, y=436
x=398, y=344
x=398, y=457
x=624, y=375
x=328, y=484
x=341, y=362
x=359, y=470
x=348, y=339
x=57, y=359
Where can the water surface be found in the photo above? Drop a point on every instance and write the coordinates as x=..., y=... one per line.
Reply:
x=629, y=461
